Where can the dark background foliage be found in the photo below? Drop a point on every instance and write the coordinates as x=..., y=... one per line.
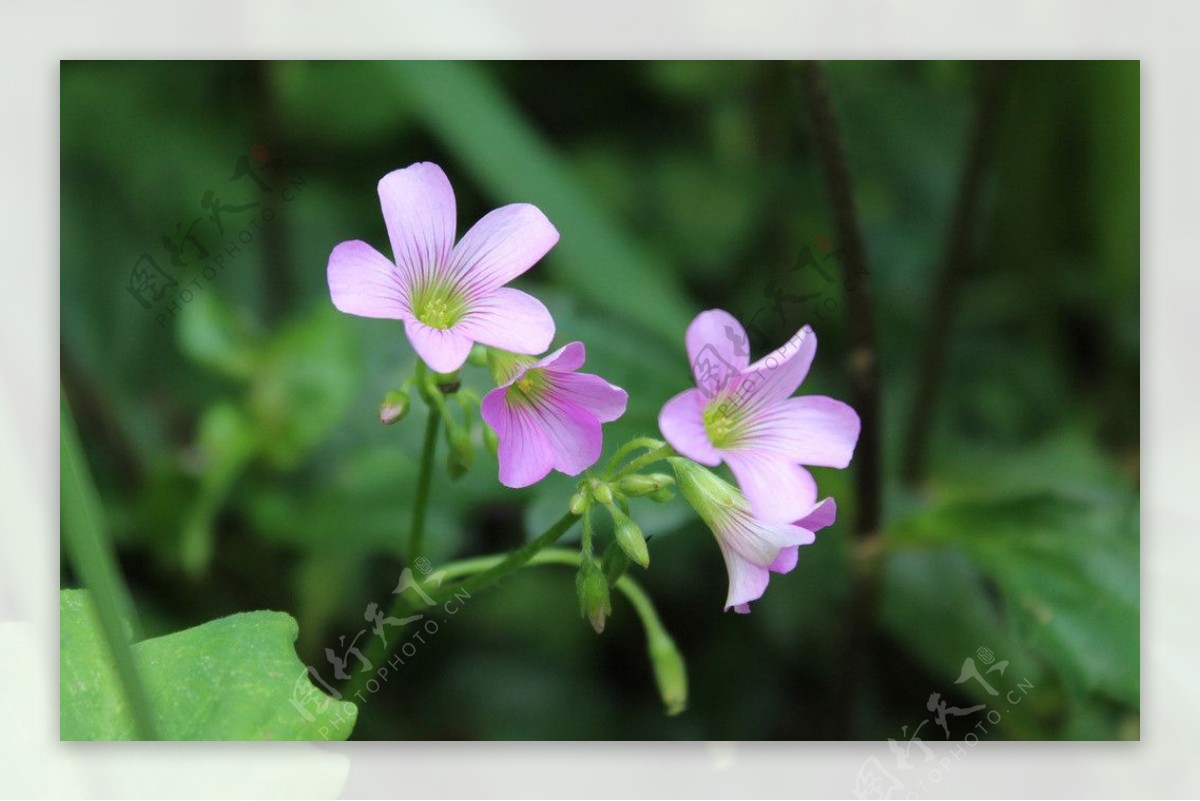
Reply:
x=232, y=425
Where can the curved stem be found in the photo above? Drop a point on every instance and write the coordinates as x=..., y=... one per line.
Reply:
x=656, y=455
x=649, y=443
x=416, y=533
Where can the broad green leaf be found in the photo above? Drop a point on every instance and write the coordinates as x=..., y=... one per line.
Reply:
x=236, y=678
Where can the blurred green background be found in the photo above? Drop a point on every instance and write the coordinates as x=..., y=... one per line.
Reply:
x=233, y=429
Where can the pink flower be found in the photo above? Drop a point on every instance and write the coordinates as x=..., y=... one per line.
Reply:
x=743, y=414
x=752, y=549
x=449, y=296
x=547, y=416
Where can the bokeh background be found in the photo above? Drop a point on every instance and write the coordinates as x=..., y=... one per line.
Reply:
x=232, y=424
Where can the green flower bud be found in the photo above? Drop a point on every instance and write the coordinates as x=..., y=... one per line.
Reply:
x=669, y=670
x=629, y=537
x=491, y=440
x=592, y=588
x=662, y=496
x=580, y=501
x=637, y=484
x=461, y=455
x=478, y=356
x=447, y=383
x=602, y=493
x=614, y=562
x=394, y=407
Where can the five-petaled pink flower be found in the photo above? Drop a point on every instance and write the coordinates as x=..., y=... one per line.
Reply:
x=743, y=414
x=449, y=296
x=547, y=416
x=752, y=549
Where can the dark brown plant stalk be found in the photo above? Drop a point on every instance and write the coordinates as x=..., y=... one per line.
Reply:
x=956, y=255
x=864, y=391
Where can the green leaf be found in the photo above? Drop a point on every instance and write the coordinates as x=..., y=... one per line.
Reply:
x=236, y=678
x=1068, y=570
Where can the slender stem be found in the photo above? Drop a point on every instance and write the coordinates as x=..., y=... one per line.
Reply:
x=416, y=533
x=91, y=553
x=656, y=455
x=864, y=379
x=649, y=443
x=493, y=568
x=956, y=254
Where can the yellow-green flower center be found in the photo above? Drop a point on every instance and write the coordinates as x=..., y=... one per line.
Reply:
x=438, y=304
x=532, y=386
x=722, y=423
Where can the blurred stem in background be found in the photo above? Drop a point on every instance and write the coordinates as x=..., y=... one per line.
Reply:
x=956, y=257
x=91, y=554
x=865, y=389
x=416, y=534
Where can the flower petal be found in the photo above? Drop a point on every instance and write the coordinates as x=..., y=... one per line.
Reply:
x=747, y=581
x=574, y=434
x=822, y=515
x=777, y=375
x=508, y=319
x=418, y=208
x=682, y=424
x=778, y=491
x=593, y=393
x=362, y=281
x=812, y=430
x=567, y=358
x=718, y=349
x=502, y=245
x=444, y=350
x=524, y=454
x=786, y=561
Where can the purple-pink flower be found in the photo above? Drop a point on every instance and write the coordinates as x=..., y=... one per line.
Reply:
x=752, y=548
x=743, y=414
x=449, y=296
x=547, y=416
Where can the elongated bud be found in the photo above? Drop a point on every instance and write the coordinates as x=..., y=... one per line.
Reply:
x=602, y=493
x=461, y=455
x=491, y=440
x=669, y=670
x=637, y=484
x=579, y=501
x=664, y=495
x=614, y=563
x=629, y=537
x=447, y=383
x=594, y=601
x=394, y=407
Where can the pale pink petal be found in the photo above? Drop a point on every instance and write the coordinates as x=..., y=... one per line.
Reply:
x=508, y=319
x=444, y=350
x=363, y=282
x=741, y=609
x=778, y=374
x=418, y=208
x=747, y=581
x=778, y=491
x=812, y=430
x=822, y=515
x=524, y=454
x=567, y=358
x=501, y=246
x=718, y=348
x=573, y=433
x=593, y=393
x=682, y=424
x=785, y=562
x=759, y=542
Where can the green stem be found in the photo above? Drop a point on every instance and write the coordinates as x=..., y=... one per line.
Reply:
x=416, y=533
x=649, y=443
x=91, y=554
x=658, y=454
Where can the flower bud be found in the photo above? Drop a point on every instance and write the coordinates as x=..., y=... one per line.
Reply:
x=461, y=455
x=478, y=356
x=592, y=588
x=602, y=493
x=447, y=383
x=637, y=484
x=491, y=440
x=629, y=537
x=614, y=562
x=579, y=501
x=669, y=670
x=664, y=495
x=394, y=407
